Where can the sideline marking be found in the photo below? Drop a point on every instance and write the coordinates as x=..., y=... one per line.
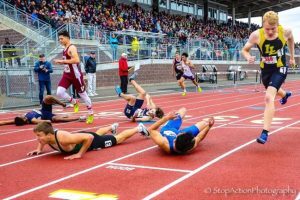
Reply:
x=148, y=167
x=80, y=195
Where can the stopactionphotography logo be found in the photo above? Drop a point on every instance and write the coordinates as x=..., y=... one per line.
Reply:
x=257, y=190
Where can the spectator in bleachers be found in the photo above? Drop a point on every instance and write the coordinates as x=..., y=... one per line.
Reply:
x=135, y=46
x=113, y=41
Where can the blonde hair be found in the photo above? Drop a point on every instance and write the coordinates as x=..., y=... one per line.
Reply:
x=271, y=17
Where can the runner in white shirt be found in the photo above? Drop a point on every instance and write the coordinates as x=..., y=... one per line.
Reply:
x=187, y=73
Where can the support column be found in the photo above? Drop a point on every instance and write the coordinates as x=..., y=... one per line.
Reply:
x=249, y=19
x=205, y=10
x=233, y=15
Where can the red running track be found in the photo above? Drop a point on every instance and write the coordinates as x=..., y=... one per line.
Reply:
x=228, y=163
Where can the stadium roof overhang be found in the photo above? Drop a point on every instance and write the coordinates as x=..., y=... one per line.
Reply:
x=256, y=7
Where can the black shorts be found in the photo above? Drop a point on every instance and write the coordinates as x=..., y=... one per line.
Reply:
x=47, y=112
x=130, y=110
x=101, y=141
x=274, y=78
x=178, y=76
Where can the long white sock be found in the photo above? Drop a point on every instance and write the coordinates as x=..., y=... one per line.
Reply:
x=87, y=101
x=61, y=93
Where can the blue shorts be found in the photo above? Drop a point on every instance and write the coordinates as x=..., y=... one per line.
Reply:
x=274, y=78
x=130, y=110
x=46, y=112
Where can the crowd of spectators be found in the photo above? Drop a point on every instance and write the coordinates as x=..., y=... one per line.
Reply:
x=109, y=16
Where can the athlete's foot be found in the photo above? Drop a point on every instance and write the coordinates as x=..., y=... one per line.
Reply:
x=183, y=94
x=133, y=76
x=90, y=119
x=82, y=118
x=143, y=130
x=114, y=127
x=284, y=99
x=76, y=106
x=69, y=105
x=199, y=89
x=118, y=90
x=263, y=138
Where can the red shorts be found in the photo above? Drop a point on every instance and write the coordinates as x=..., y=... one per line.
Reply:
x=67, y=80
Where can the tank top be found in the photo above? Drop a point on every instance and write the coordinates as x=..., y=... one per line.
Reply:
x=70, y=70
x=272, y=51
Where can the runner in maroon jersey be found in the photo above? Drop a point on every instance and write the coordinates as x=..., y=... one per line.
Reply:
x=72, y=76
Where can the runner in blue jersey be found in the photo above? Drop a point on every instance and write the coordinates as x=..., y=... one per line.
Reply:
x=43, y=114
x=174, y=140
x=133, y=109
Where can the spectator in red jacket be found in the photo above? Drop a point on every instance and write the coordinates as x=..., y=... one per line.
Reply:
x=123, y=72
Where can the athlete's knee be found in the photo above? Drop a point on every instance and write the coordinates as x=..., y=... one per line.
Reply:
x=60, y=91
x=268, y=99
x=48, y=99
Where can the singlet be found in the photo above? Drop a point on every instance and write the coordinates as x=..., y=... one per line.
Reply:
x=272, y=51
x=186, y=69
x=142, y=112
x=177, y=66
x=75, y=150
x=70, y=70
x=171, y=136
x=33, y=114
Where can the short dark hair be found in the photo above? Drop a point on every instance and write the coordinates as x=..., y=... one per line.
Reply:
x=159, y=112
x=20, y=121
x=42, y=55
x=185, y=54
x=64, y=33
x=184, y=142
x=45, y=127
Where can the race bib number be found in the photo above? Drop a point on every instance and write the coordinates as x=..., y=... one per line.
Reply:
x=128, y=111
x=283, y=70
x=67, y=69
x=270, y=60
x=169, y=133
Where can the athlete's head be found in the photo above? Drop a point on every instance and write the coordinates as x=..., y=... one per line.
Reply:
x=43, y=131
x=184, y=142
x=64, y=37
x=177, y=55
x=159, y=112
x=270, y=23
x=20, y=121
x=184, y=56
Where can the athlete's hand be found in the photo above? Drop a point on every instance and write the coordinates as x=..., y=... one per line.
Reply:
x=251, y=59
x=171, y=115
x=292, y=62
x=71, y=157
x=57, y=61
x=35, y=152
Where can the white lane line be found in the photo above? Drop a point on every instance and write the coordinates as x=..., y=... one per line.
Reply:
x=202, y=167
x=149, y=167
x=28, y=158
x=76, y=174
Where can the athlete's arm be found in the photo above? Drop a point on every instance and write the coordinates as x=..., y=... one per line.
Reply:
x=38, y=150
x=190, y=64
x=150, y=103
x=66, y=138
x=158, y=139
x=8, y=122
x=290, y=42
x=253, y=40
x=173, y=68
